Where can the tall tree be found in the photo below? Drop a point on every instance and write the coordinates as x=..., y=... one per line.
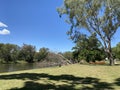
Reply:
x=9, y=52
x=88, y=48
x=27, y=52
x=96, y=16
x=42, y=54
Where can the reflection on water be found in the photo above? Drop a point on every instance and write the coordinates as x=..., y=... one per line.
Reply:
x=17, y=67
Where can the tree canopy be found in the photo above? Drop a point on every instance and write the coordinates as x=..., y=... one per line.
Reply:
x=101, y=17
x=88, y=48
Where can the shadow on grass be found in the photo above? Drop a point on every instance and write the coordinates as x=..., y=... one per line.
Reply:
x=68, y=82
x=38, y=86
x=117, y=81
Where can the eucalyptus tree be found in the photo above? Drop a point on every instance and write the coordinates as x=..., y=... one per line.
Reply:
x=42, y=54
x=27, y=53
x=9, y=52
x=96, y=16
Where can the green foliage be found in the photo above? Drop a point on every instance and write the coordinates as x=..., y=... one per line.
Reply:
x=88, y=48
x=42, y=54
x=68, y=55
x=96, y=16
x=27, y=53
x=9, y=52
x=116, y=51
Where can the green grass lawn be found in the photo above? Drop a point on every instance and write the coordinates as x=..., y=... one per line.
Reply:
x=71, y=77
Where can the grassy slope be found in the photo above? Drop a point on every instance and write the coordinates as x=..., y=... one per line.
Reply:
x=72, y=77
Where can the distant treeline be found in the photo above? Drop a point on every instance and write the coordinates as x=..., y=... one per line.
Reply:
x=11, y=53
x=86, y=48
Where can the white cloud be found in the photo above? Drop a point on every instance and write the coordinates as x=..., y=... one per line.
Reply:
x=4, y=32
x=3, y=25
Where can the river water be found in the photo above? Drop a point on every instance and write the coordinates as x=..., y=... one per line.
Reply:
x=27, y=66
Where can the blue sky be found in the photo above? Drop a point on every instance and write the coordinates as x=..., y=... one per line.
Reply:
x=36, y=22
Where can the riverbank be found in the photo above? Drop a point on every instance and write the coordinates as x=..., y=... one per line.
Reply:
x=70, y=77
x=10, y=67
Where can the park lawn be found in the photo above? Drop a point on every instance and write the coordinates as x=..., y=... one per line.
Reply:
x=70, y=77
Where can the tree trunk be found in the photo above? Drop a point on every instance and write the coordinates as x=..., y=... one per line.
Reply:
x=110, y=56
